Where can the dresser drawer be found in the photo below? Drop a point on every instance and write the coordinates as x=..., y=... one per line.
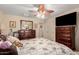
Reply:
x=65, y=39
x=68, y=44
x=64, y=35
x=67, y=28
x=63, y=28
x=63, y=31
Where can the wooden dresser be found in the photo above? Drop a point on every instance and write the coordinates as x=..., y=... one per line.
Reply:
x=26, y=34
x=66, y=36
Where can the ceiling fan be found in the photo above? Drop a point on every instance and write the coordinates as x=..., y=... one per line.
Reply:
x=42, y=11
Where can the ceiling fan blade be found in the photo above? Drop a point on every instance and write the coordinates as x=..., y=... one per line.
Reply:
x=33, y=9
x=50, y=11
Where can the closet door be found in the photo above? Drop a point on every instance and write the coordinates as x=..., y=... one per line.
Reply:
x=66, y=35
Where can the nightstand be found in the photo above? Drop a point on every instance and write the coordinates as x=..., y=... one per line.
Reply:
x=15, y=34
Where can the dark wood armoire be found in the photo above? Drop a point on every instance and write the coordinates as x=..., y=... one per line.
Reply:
x=65, y=29
x=66, y=35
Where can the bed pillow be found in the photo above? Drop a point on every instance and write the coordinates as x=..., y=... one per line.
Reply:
x=5, y=44
x=18, y=44
x=15, y=41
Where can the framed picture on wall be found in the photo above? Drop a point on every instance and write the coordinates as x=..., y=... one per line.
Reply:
x=25, y=24
x=12, y=24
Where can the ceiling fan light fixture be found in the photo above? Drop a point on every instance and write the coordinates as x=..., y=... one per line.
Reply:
x=41, y=8
x=43, y=12
x=50, y=11
x=40, y=15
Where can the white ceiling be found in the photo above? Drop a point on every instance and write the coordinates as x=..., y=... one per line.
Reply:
x=24, y=9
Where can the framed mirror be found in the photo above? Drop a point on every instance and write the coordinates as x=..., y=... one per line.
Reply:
x=25, y=24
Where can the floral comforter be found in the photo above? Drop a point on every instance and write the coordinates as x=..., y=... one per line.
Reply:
x=41, y=46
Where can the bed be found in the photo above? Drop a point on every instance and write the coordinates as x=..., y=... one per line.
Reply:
x=42, y=46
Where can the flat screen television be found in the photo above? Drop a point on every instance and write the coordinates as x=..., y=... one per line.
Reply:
x=68, y=19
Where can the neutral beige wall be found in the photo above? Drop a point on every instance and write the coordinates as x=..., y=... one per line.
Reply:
x=49, y=28
x=2, y=20
x=1, y=15
x=5, y=18
x=77, y=33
